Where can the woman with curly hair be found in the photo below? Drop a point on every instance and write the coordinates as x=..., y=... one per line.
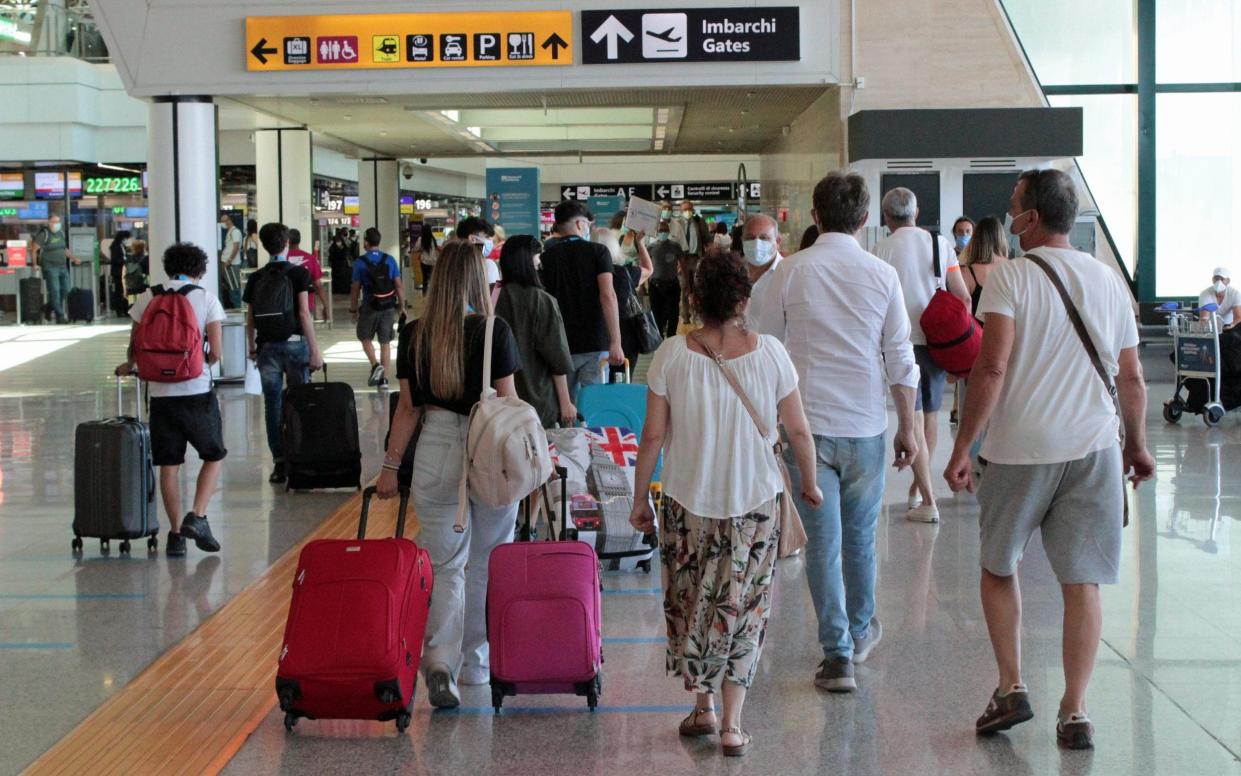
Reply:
x=722, y=489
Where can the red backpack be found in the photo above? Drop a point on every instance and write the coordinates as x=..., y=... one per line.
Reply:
x=168, y=344
x=953, y=335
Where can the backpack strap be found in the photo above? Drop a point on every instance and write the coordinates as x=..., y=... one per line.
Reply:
x=939, y=274
x=187, y=288
x=158, y=290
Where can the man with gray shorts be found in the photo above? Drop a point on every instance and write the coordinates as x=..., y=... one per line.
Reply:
x=377, y=279
x=1054, y=463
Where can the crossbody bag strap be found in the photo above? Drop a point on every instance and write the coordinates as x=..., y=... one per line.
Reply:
x=1079, y=326
x=736, y=386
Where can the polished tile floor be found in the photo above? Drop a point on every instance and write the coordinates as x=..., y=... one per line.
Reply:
x=1163, y=698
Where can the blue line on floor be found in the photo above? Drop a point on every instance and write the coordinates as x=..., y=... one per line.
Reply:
x=36, y=645
x=636, y=640
x=71, y=596
x=633, y=591
x=583, y=709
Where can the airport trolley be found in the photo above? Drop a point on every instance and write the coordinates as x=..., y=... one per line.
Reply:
x=1196, y=353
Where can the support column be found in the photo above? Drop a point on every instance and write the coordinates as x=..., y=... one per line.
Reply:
x=283, y=179
x=183, y=179
x=379, y=202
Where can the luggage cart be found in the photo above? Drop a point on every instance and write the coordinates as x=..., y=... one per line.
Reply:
x=1195, y=351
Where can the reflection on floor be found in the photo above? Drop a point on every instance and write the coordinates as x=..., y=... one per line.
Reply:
x=1164, y=698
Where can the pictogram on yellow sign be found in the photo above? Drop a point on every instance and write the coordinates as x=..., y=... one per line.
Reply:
x=500, y=39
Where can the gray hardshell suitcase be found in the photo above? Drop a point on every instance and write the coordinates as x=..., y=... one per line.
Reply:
x=114, y=481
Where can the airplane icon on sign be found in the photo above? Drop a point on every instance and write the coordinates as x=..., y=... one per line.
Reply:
x=666, y=35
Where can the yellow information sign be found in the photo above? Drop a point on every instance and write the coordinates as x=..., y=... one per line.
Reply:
x=376, y=41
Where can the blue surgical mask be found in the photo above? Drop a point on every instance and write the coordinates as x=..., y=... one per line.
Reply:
x=54, y=227
x=962, y=241
x=662, y=236
x=665, y=214
x=758, y=253
x=485, y=245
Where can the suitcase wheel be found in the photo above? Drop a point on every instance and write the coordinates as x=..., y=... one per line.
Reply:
x=105, y=545
x=290, y=721
x=153, y=545
x=497, y=698
x=645, y=566
x=402, y=721
x=125, y=547
x=76, y=544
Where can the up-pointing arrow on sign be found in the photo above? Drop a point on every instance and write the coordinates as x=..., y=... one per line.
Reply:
x=612, y=29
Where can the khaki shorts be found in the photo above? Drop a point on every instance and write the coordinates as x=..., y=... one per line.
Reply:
x=1077, y=505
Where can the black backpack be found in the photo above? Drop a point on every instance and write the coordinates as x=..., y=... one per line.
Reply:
x=383, y=285
x=274, y=302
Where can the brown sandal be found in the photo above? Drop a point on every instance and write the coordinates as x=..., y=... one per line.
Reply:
x=691, y=729
x=740, y=749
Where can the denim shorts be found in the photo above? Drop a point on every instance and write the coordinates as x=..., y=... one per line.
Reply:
x=931, y=383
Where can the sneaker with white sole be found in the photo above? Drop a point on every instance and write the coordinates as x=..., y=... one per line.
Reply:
x=473, y=676
x=914, y=501
x=864, y=646
x=442, y=688
x=377, y=374
x=1005, y=710
x=836, y=675
x=926, y=513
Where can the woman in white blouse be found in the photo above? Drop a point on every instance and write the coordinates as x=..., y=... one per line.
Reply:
x=722, y=490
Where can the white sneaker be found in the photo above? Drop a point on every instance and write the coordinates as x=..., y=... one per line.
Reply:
x=915, y=501
x=473, y=676
x=863, y=647
x=925, y=513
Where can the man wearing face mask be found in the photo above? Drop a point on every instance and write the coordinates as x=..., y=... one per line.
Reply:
x=477, y=231
x=695, y=239
x=760, y=247
x=665, y=280
x=962, y=233
x=51, y=247
x=578, y=273
x=1222, y=293
x=118, y=257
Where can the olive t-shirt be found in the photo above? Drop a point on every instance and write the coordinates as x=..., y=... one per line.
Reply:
x=52, y=248
x=505, y=361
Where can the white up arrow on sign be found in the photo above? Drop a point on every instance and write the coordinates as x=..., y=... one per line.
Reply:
x=612, y=29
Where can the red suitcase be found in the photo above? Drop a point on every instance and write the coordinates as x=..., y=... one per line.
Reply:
x=543, y=617
x=356, y=624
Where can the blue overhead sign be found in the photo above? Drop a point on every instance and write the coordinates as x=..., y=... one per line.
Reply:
x=513, y=199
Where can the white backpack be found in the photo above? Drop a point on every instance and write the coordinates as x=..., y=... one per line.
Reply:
x=506, y=456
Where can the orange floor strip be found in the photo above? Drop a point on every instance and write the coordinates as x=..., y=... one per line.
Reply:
x=192, y=709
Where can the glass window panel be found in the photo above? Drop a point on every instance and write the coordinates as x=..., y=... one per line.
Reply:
x=1198, y=186
x=1076, y=42
x=1197, y=41
x=1109, y=162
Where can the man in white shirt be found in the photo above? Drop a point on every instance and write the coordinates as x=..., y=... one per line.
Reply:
x=230, y=261
x=186, y=413
x=840, y=313
x=760, y=246
x=1053, y=459
x=1224, y=295
x=910, y=251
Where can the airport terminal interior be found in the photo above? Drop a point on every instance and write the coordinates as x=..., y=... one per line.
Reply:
x=441, y=133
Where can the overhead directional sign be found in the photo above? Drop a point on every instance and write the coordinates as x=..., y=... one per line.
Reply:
x=691, y=35
x=584, y=191
x=714, y=190
x=364, y=41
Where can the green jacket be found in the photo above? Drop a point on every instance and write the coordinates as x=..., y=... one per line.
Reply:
x=534, y=317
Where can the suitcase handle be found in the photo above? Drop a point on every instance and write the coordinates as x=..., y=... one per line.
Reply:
x=528, y=531
x=120, y=403
x=366, y=508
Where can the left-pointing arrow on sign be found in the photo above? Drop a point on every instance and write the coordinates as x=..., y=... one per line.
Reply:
x=612, y=28
x=260, y=51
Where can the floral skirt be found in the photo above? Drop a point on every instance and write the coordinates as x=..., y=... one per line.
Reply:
x=717, y=577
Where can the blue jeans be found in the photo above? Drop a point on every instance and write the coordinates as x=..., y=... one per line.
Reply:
x=57, y=280
x=585, y=371
x=840, y=536
x=278, y=362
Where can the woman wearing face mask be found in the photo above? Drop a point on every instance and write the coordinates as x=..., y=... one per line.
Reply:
x=634, y=255
x=1222, y=293
x=118, y=256
x=440, y=366
x=625, y=279
x=962, y=232
x=665, y=282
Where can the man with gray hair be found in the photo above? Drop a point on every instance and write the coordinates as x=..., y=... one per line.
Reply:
x=840, y=313
x=911, y=251
x=760, y=247
x=1059, y=330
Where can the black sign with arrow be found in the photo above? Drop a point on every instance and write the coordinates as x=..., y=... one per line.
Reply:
x=261, y=50
x=763, y=34
x=555, y=43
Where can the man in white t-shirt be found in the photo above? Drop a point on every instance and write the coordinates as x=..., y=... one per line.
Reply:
x=1224, y=295
x=186, y=413
x=1053, y=462
x=230, y=260
x=910, y=251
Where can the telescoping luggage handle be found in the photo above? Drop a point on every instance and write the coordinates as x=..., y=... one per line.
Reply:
x=120, y=398
x=400, y=515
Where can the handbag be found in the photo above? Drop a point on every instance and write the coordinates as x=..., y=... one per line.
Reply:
x=639, y=320
x=792, y=532
x=1080, y=327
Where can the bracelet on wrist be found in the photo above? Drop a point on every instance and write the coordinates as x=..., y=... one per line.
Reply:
x=391, y=468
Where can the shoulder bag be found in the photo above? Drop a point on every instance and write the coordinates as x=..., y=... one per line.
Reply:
x=1079, y=326
x=792, y=532
x=639, y=320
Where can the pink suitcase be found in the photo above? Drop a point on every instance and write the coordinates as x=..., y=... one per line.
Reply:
x=543, y=618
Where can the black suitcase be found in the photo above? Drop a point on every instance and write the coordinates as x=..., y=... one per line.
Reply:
x=30, y=300
x=81, y=305
x=320, y=433
x=114, y=481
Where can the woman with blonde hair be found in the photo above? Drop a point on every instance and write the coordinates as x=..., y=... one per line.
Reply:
x=987, y=249
x=440, y=366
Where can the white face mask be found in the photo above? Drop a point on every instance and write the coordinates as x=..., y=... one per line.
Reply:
x=1008, y=223
x=758, y=253
x=55, y=227
x=1220, y=286
x=487, y=244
